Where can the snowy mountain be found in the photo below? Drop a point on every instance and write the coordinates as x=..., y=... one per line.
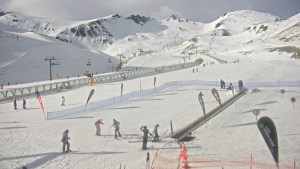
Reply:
x=139, y=41
x=242, y=45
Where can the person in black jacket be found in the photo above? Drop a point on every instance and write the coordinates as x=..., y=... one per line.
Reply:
x=24, y=104
x=116, y=124
x=65, y=140
x=145, y=136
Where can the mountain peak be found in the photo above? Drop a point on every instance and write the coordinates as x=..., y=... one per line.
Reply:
x=177, y=18
x=139, y=19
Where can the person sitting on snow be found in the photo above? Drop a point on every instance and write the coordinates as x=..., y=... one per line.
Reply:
x=230, y=87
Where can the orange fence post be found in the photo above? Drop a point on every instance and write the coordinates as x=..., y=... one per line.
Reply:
x=251, y=162
x=154, y=159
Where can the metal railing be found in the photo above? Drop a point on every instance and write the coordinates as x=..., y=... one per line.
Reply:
x=22, y=90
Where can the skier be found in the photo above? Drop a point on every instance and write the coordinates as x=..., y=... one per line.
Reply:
x=116, y=124
x=24, y=104
x=15, y=104
x=155, y=132
x=65, y=140
x=97, y=124
x=221, y=83
x=63, y=101
x=145, y=136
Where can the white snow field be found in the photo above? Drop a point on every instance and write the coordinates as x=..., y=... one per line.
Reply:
x=27, y=139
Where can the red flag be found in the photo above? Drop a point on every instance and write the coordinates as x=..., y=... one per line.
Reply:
x=41, y=102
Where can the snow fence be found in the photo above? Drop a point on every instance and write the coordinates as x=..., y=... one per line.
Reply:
x=166, y=86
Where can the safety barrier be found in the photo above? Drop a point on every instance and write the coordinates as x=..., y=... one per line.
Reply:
x=22, y=90
x=185, y=160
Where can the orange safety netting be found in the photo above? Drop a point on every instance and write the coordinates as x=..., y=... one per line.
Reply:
x=185, y=161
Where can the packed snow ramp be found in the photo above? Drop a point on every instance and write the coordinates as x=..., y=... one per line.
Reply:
x=186, y=131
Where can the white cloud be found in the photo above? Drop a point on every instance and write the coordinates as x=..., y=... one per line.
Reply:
x=164, y=12
x=197, y=10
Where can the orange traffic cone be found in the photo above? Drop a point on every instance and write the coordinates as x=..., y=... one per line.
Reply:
x=183, y=157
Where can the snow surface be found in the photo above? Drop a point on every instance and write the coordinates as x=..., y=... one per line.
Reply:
x=27, y=139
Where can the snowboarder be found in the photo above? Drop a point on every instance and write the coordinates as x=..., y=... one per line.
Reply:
x=145, y=136
x=15, y=104
x=155, y=132
x=63, y=101
x=97, y=124
x=24, y=104
x=116, y=124
x=65, y=140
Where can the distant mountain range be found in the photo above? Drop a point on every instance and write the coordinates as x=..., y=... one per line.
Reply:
x=114, y=37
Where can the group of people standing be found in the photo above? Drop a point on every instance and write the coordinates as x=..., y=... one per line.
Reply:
x=16, y=105
x=222, y=83
x=147, y=133
x=116, y=125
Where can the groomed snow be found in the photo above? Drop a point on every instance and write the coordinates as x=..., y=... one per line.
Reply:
x=27, y=139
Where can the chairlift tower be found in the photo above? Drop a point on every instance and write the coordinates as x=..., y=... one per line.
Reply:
x=51, y=64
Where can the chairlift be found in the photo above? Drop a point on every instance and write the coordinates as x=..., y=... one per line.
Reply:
x=89, y=63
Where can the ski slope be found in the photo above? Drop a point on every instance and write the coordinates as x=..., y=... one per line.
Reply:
x=27, y=139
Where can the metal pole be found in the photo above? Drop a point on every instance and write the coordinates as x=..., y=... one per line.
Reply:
x=50, y=69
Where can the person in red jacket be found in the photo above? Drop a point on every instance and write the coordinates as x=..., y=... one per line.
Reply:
x=97, y=124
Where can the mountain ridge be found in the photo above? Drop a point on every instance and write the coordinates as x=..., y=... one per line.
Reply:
x=136, y=37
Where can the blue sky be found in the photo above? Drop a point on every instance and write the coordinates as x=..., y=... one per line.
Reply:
x=196, y=10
